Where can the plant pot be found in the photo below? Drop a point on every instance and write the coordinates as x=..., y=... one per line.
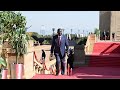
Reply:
x=12, y=71
x=19, y=71
x=4, y=73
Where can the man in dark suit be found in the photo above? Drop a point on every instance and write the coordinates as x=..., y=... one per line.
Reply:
x=59, y=47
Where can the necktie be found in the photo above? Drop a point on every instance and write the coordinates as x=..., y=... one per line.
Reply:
x=59, y=40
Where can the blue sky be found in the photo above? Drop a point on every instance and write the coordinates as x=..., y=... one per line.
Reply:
x=75, y=20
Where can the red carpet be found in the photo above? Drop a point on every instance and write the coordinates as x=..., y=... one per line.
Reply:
x=86, y=73
x=104, y=63
x=107, y=48
x=38, y=76
x=105, y=54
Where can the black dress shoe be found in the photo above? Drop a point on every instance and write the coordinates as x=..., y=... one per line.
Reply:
x=56, y=74
x=62, y=73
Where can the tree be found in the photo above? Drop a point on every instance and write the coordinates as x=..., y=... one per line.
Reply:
x=12, y=28
x=10, y=21
x=97, y=32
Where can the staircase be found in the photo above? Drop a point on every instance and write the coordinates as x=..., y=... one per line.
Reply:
x=106, y=48
x=105, y=54
x=103, y=63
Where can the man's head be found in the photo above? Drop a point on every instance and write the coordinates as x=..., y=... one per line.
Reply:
x=59, y=31
x=42, y=50
x=71, y=51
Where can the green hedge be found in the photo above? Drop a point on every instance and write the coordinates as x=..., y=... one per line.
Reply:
x=82, y=41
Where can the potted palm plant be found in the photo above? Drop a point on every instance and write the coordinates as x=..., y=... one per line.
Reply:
x=19, y=42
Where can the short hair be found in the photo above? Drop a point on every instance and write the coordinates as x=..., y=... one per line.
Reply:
x=59, y=30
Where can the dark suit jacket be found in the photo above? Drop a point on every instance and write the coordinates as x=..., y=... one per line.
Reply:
x=59, y=48
x=43, y=54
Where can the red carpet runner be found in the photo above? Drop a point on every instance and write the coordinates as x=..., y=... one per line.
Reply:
x=105, y=54
x=86, y=73
x=104, y=63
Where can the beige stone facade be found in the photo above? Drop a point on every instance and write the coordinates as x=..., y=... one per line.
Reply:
x=110, y=21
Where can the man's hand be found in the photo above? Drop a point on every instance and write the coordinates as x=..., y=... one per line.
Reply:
x=51, y=54
x=66, y=53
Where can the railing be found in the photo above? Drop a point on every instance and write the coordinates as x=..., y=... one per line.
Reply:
x=42, y=68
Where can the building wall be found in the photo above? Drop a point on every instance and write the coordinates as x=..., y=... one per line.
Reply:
x=115, y=24
x=104, y=21
x=110, y=21
x=28, y=65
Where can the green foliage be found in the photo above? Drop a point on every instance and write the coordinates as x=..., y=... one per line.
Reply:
x=31, y=38
x=78, y=40
x=82, y=41
x=35, y=34
x=46, y=42
x=48, y=36
x=19, y=41
x=10, y=20
x=12, y=28
x=3, y=62
x=96, y=31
